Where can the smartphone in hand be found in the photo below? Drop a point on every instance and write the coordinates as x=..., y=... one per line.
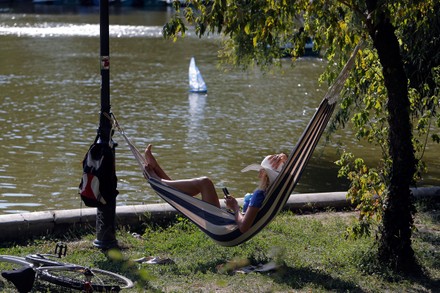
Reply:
x=226, y=192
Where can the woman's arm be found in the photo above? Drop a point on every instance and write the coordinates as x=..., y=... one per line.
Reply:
x=244, y=222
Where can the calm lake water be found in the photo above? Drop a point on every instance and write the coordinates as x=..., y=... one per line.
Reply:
x=50, y=100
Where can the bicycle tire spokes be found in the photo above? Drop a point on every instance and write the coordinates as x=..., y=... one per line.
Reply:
x=81, y=278
x=67, y=275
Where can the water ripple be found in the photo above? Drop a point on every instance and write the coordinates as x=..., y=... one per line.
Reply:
x=49, y=30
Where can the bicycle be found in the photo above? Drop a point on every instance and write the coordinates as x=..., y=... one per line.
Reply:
x=22, y=271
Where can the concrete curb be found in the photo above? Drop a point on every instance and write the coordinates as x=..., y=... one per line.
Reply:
x=16, y=227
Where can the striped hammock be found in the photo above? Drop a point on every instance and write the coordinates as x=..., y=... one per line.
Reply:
x=220, y=224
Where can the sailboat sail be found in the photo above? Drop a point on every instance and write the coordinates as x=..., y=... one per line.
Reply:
x=196, y=82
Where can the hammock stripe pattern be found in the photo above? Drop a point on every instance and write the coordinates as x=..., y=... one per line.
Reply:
x=219, y=224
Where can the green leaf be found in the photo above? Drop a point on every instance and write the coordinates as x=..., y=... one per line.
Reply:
x=247, y=28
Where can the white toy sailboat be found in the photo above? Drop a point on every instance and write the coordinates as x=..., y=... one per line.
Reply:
x=196, y=82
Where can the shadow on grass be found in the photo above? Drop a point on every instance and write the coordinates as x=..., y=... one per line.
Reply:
x=299, y=278
x=425, y=281
x=295, y=278
x=429, y=258
x=417, y=273
x=430, y=207
x=432, y=239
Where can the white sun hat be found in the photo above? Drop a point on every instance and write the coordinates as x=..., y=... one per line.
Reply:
x=267, y=166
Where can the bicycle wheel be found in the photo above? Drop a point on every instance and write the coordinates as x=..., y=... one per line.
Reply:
x=44, y=260
x=8, y=262
x=83, y=278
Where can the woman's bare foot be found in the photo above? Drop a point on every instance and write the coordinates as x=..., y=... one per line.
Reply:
x=151, y=161
x=150, y=171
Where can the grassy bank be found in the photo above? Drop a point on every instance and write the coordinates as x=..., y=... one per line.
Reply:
x=311, y=253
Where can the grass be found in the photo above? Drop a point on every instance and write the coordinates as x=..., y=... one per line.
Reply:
x=311, y=251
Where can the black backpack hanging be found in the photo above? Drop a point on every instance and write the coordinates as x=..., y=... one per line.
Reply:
x=99, y=182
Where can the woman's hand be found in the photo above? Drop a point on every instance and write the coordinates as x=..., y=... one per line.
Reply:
x=231, y=203
x=277, y=160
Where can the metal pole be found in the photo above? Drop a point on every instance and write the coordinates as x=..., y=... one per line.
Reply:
x=104, y=122
x=105, y=216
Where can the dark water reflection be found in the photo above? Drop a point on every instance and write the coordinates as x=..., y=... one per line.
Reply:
x=49, y=104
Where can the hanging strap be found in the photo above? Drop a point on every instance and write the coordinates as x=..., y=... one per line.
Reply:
x=138, y=156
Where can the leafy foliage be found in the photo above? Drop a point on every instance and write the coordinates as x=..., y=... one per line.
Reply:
x=367, y=98
x=367, y=192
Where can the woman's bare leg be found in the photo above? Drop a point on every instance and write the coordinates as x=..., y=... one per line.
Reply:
x=192, y=187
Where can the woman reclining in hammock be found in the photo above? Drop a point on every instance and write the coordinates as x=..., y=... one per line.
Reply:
x=267, y=172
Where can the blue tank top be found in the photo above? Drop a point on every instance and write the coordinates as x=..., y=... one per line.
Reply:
x=254, y=199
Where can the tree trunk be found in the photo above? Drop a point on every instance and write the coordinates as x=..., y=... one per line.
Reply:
x=395, y=235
